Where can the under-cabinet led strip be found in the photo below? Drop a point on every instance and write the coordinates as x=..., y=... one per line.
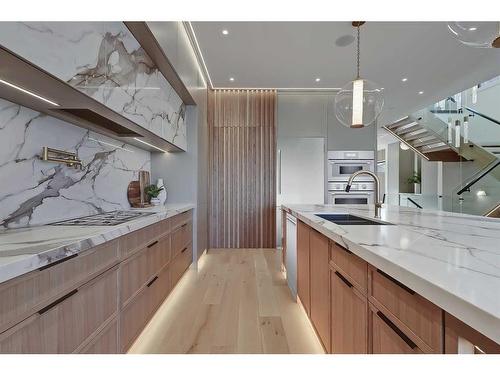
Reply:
x=28, y=92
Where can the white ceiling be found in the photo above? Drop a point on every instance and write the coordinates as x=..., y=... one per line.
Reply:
x=293, y=54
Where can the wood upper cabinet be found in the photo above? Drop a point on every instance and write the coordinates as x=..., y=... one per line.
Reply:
x=463, y=339
x=303, y=275
x=387, y=337
x=320, y=282
x=349, y=321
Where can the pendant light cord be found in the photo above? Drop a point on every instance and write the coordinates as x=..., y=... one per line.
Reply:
x=358, y=53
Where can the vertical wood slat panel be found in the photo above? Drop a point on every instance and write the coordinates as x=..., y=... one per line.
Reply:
x=242, y=152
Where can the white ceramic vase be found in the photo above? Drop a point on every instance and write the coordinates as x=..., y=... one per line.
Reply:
x=155, y=201
x=163, y=194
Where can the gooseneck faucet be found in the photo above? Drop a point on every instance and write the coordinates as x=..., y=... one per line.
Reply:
x=378, y=204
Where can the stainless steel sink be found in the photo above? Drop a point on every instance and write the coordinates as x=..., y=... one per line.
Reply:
x=348, y=219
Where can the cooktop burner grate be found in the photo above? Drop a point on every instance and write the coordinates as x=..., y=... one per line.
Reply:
x=105, y=219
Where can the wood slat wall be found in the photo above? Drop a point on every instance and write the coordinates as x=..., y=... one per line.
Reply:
x=242, y=183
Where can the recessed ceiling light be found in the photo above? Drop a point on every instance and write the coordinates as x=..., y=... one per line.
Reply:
x=382, y=88
x=318, y=79
x=420, y=92
x=472, y=28
x=28, y=92
x=225, y=32
x=404, y=79
x=231, y=79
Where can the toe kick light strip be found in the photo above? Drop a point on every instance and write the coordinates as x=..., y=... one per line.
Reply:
x=28, y=92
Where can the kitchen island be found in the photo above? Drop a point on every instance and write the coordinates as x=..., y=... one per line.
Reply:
x=450, y=261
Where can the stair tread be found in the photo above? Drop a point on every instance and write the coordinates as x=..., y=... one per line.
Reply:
x=404, y=130
x=402, y=122
x=420, y=135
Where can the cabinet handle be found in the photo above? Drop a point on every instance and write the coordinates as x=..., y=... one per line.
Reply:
x=183, y=250
x=57, y=262
x=402, y=286
x=184, y=225
x=57, y=302
x=346, y=282
x=152, y=281
x=395, y=328
x=152, y=244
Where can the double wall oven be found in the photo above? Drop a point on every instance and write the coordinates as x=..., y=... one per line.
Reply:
x=341, y=165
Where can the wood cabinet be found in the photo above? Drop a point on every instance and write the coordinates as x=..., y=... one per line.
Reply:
x=408, y=309
x=99, y=300
x=349, y=316
x=387, y=337
x=24, y=295
x=303, y=275
x=64, y=325
x=352, y=267
x=463, y=339
x=320, y=290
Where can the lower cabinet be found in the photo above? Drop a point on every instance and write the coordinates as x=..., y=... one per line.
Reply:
x=320, y=291
x=387, y=337
x=303, y=265
x=105, y=342
x=349, y=321
x=66, y=324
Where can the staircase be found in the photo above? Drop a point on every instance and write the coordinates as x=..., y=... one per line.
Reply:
x=422, y=140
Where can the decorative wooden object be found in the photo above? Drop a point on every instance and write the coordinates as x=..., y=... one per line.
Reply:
x=136, y=194
x=242, y=153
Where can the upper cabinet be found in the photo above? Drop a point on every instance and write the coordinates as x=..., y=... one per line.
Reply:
x=104, y=61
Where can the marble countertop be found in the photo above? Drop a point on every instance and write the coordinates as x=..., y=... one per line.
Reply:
x=26, y=249
x=451, y=259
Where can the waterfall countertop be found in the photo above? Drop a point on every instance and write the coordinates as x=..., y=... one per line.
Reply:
x=26, y=249
x=451, y=259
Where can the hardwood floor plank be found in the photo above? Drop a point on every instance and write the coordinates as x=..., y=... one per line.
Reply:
x=273, y=335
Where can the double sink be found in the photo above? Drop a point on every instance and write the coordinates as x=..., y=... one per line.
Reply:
x=347, y=219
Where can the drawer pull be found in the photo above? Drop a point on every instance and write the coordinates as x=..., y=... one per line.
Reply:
x=343, y=248
x=57, y=302
x=395, y=328
x=57, y=262
x=184, y=225
x=152, y=244
x=346, y=282
x=402, y=286
x=183, y=250
x=152, y=281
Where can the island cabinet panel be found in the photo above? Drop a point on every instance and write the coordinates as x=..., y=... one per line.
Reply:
x=352, y=266
x=320, y=282
x=140, y=268
x=105, y=342
x=23, y=296
x=463, y=339
x=400, y=303
x=303, y=274
x=349, y=321
x=65, y=325
x=387, y=338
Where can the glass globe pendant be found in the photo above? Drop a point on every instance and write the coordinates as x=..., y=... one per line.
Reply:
x=476, y=34
x=360, y=102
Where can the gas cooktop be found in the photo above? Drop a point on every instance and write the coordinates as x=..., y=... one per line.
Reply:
x=105, y=219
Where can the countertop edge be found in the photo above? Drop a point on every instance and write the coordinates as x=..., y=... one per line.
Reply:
x=470, y=314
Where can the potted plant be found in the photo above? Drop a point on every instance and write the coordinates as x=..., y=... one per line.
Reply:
x=152, y=192
x=415, y=180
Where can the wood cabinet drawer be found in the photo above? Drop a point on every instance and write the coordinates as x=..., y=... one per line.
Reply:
x=180, y=263
x=399, y=302
x=136, y=314
x=65, y=324
x=140, y=268
x=178, y=220
x=23, y=296
x=352, y=266
x=349, y=321
x=387, y=338
x=181, y=237
x=139, y=239
x=106, y=342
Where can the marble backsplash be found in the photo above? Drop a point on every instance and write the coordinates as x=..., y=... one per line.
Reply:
x=34, y=192
x=106, y=62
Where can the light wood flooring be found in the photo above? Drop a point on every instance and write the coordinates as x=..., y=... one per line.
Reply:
x=236, y=302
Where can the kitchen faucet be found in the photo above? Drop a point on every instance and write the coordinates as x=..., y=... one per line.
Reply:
x=378, y=204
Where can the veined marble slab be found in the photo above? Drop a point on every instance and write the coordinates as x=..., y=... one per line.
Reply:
x=26, y=249
x=451, y=259
x=104, y=61
x=34, y=192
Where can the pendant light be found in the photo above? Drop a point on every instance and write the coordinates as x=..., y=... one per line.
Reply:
x=476, y=34
x=450, y=131
x=466, y=129
x=360, y=102
x=457, y=133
